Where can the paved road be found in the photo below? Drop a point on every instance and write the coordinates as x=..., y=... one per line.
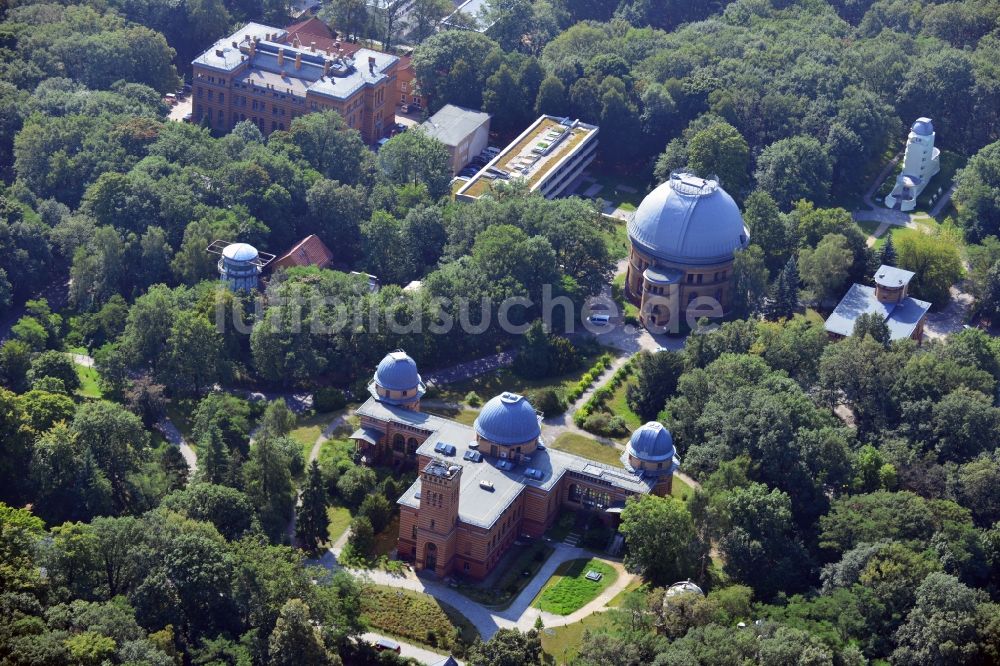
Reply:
x=423, y=655
x=174, y=437
x=519, y=614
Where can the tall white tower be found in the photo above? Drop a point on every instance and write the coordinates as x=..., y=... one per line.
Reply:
x=920, y=162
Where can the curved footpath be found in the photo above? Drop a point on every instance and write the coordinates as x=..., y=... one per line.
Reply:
x=520, y=614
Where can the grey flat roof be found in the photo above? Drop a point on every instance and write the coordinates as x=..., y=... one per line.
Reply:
x=477, y=505
x=890, y=276
x=452, y=124
x=285, y=77
x=222, y=55
x=901, y=318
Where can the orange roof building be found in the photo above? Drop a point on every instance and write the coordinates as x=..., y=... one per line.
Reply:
x=310, y=251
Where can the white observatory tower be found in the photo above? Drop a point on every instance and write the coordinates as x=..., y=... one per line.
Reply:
x=920, y=162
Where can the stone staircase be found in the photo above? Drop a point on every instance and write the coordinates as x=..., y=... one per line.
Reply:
x=572, y=539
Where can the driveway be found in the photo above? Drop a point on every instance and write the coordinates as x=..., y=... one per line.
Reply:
x=953, y=317
x=423, y=655
x=175, y=438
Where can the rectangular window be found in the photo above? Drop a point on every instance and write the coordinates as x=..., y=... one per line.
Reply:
x=222, y=98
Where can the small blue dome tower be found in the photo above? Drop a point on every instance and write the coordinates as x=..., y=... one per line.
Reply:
x=397, y=381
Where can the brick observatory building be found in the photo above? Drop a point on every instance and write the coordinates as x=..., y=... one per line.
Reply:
x=684, y=237
x=481, y=487
x=262, y=74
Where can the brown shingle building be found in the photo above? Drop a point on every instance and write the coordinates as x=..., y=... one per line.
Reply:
x=310, y=251
x=481, y=487
x=265, y=75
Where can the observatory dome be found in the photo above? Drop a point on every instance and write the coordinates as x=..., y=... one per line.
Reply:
x=508, y=419
x=689, y=220
x=240, y=252
x=651, y=442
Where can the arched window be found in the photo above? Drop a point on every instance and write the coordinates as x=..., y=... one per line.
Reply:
x=398, y=442
x=411, y=445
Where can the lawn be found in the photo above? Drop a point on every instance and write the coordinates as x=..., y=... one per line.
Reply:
x=466, y=415
x=569, y=590
x=618, y=406
x=416, y=618
x=504, y=379
x=339, y=519
x=563, y=643
x=518, y=561
x=680, y=489
x=618, y=294
x=308, y=429
x=616, y=238
x=587, y=447
x=89, y=386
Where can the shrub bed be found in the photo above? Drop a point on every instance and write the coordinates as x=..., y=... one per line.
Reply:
x=416, y=617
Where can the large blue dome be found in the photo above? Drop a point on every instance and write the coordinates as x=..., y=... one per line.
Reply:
x=508, y=419
x=652, y=442
x=689, y=220
x=397, y=372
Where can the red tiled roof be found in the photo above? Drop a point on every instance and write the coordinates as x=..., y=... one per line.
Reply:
x=315, y=30
x=310, y=251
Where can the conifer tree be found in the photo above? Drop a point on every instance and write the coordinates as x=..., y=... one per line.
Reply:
x=888, y=253
x=310, y=523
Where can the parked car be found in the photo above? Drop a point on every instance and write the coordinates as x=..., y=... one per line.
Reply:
x=468, y=171
x=383, y=644
x=187, y=117
x=599, y=319
x=400, y=127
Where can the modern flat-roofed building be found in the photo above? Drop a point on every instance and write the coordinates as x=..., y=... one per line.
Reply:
x=256, y=74
x=481, y=487
x=464, y=132
x=550, y=156
x=889, y=298
x=469, y=15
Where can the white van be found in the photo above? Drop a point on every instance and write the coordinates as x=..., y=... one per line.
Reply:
x=600, y=319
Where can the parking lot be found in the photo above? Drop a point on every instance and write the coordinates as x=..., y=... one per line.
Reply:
x=181, y=109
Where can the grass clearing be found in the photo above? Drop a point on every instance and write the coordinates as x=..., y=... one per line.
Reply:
x=618, y=406
x=465, y=415
x=417, y=618
x=504, y=379
x=587, y=447
x=338, y=521
x=569, y=589
x=308, y=429
x=563, y=643
x=680, y=489
x=89, y=382
x=616, y=238
x=635, y=586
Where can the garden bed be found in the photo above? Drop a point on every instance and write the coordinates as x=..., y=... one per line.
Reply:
x=509, y=582
x=417, y=618
x=587, y=447
x=569, y=589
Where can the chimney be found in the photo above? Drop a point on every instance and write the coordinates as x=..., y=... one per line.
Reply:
x=298, y=61
x=326, y=68
x=235, y=44
x=218, y=53
x=371, y=64
x=312, y=46
x=328, y=52
x=295, y=42
x=281, y=57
